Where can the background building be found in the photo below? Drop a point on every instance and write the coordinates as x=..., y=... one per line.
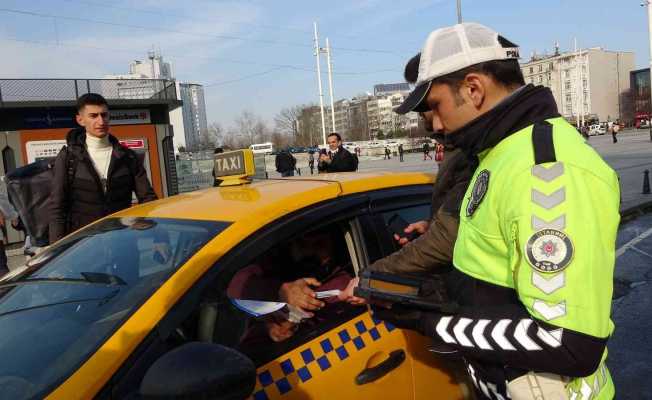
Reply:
x=640, y=94
x=588, y=83
x=148, y=77
x=193, y=114
x=386, y=89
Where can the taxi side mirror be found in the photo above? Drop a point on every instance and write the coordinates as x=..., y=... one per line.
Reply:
x=200, y=370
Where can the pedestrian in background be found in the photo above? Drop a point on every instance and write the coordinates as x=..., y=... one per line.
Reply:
x=426, y=151
x=400, y=152
x=94, y=175
x=285, y=163
x=311, y=161
x=387, y=153
x=615, y=128
x=216, y=182
x=336, y=158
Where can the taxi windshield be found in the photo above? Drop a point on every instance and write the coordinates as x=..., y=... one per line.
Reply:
x=59, y=309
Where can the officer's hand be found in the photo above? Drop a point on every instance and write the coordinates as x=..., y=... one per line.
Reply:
x=299, y=294
x=419, y=227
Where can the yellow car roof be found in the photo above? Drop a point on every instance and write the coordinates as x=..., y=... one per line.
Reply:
x=274, y=196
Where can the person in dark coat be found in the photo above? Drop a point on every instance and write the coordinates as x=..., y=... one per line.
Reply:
x=388, y=153
x=426, y=151
x=285, y=163
x=337, y=158
x=400, y=152
x=94, y=175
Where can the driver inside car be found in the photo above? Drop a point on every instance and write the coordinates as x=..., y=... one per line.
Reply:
x=314, y=268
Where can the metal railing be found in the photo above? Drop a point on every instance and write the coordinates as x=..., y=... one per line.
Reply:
x=38, y=90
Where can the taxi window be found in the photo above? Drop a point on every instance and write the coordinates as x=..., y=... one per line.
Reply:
x=253, y=318
x=73, y=296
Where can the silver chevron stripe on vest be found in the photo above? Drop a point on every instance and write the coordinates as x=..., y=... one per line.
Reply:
x=552, y=338
x=442, y=325
x=458, y=331
x=548, y=174
x=549, y=201
x=548, y=286
x=557, y=223
x=550, y=312
x=498, y=334
x=478, y=334
x=520, y=334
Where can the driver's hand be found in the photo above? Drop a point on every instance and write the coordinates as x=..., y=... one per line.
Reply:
x=300, y=294
x=419, y=227
x=280, y=331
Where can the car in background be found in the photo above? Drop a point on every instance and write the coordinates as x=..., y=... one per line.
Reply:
x=597, y=129
x=643, y=124
x=262, y=148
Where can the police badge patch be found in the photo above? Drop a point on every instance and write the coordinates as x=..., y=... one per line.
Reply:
x=549, y=250
x=477, y=193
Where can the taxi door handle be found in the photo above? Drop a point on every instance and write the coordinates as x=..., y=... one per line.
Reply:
x=392, y=362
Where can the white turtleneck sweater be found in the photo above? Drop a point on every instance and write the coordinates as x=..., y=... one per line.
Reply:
x=100, y=150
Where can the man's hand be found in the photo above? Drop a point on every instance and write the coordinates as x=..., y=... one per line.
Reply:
x=324, y=158
x=280, y=331
x=419, y=227
x=347, y=293
x=300, y=294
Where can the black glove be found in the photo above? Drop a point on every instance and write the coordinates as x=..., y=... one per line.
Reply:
x=399, y=316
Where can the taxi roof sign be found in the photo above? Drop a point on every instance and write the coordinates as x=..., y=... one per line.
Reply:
x=234, y=167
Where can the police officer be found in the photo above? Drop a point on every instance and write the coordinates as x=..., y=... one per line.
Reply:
x=535, y=251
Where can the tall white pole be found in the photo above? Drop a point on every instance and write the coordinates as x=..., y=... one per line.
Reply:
x=321, y=93
x=330, y=81
x=648, y=3
x=459, y=11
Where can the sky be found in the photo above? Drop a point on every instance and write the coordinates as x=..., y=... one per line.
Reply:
x=257, y=55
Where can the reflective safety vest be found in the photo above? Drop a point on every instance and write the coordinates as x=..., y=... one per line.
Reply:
x=548, y=231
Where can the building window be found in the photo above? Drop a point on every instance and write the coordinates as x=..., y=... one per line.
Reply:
x=540, y=67
x=569, y=99
x=549, y=76
x=568, y=85
x=584, y=83
x=531, y=69
x=540, y=79
x=550, y=66
x=567, y=74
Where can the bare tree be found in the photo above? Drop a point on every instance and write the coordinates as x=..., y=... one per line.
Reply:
x=252, y=127
x=287, y=120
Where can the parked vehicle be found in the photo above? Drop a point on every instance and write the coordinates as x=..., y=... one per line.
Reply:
x=262, y=148
x=597, y=129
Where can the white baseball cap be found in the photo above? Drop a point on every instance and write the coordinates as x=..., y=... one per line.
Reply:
x=451, y=49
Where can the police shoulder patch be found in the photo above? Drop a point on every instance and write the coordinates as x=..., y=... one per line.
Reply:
x=549, y=250
x=477, y=193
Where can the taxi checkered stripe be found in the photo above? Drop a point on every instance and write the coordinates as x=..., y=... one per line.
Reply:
x=318, y=356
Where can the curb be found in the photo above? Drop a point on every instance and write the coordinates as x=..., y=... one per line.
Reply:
x=634, y=212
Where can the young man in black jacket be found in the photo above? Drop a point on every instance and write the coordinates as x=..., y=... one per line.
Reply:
x=337, y=158
x=94, y=175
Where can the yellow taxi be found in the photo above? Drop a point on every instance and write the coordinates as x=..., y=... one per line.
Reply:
x=167, y=299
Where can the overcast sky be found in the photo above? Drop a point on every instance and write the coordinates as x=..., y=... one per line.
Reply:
x=256, y=55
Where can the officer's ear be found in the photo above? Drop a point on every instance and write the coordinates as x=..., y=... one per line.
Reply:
x=474, y=89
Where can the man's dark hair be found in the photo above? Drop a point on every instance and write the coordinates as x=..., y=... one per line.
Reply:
x=93, y=99
x=337, y=135
x=506, y=73
x=412, y=69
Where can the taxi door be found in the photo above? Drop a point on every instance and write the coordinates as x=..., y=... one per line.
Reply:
x=363, y=357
